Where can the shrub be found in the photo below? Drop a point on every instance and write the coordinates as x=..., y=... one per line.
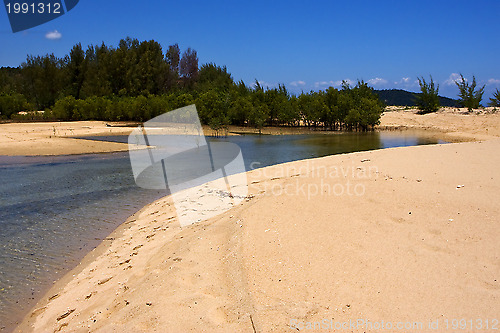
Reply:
x=495, y=101
x=12, y=103
x=469, y=96
x=428, y=99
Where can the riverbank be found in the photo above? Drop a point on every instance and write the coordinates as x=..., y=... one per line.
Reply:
x=64, y=138
x=396, y=235
x=58, y=138
x=55, y=138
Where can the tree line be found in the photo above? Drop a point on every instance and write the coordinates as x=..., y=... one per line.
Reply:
x=137, y=81
x=469, y=95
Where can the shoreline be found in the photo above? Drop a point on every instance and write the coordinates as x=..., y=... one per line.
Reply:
x=226, y=280
x=216, y=318
x=52, y=292
x=51, y=138
x=224, y=231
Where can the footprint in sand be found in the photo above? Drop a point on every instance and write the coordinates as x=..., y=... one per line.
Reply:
x=104, y=281
x=64, y=315
x=125, y=262
x=63, y=325
x=38, y=311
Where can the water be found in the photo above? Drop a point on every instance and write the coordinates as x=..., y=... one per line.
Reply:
x=54, y=210
x=273, y=149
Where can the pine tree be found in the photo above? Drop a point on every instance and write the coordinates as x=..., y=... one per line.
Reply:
x=428, y=99
x=469, y=97
x=495, y=101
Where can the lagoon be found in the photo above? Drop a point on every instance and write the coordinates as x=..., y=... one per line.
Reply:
x=54, y=210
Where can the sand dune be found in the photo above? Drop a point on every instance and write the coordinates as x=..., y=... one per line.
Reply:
x=452, y=124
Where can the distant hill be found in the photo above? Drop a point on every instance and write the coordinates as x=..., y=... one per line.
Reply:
x=405, y=98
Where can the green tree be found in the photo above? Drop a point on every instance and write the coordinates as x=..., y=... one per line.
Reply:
x=332, y=118
x=97, y=80
x=76, y=67
x=212, y=76
x=10, y=80
x=319, y=109
x=43, y=79
x=95, y=108
x=260, y=111
x=116, y=109
x=213, y=110
x=305, y=103
x=240, y=110
x=280, y=109
x=122, y=73
x=181, y=100
x=172, y=58
x=365, y=108
x=469, y=96
x=12, y=103
x=66, y=109
x=495, y=100
x=428, y=99
x=258, y=116
x=293, y=113
x=136, y=81
x=189, y=68
x=151, y=68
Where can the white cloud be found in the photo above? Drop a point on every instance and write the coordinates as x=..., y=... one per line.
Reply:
x=320, y=84
x=403, y=81
x=377, y=81
x=494, y=81
x=406, y=82
x=339, y=82
x=454, y=77
x=53, y=35
x=297, y=83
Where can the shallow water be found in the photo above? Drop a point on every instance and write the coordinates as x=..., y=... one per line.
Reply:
x=54, y=210
x=265, y=150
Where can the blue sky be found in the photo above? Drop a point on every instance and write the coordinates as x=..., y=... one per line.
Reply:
x=307, y=45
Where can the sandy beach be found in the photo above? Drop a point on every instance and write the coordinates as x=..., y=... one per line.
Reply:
x=452, y=124
x=55, y=138
x=402, y=236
